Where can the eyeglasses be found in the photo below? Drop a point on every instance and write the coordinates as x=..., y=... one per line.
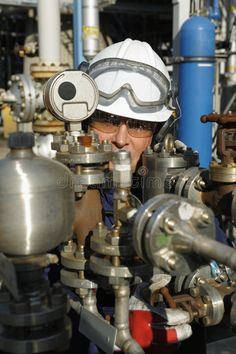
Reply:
x=110, y=123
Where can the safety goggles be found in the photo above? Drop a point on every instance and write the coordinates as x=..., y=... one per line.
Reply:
x=110, y=123
x=158, y=79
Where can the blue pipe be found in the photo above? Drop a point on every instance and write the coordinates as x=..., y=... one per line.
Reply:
x=77, y=33
x=215, y=11
x=196, y=81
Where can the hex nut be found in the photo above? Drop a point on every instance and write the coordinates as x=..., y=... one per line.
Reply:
x=113, y=240
x=194, y=292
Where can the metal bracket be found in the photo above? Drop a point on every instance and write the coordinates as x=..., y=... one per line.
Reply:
x=97, y=330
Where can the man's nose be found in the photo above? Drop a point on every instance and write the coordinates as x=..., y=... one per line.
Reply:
x=121, y=137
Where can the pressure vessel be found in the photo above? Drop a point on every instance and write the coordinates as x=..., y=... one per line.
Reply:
x=196, y=81
x=36, y=200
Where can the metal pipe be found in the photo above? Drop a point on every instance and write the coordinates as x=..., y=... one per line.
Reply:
x=49, y=31
x=123, y=338
x=122, y=177
x=90, y=302
x=77, y=33
x=215, y=11
x=221, y=253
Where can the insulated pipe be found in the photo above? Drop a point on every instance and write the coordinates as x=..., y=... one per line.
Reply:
x=196, y=80
x=181, y=11
x=123, y=338
x=49, y=31
x=90, y=28
x=231, y=64
x=77, y=33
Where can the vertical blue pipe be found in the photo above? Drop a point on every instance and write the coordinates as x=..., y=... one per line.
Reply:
x=196, y=80
x=214, y=12
x=77, y=33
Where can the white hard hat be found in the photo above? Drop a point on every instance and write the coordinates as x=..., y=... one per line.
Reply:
x=132, y=80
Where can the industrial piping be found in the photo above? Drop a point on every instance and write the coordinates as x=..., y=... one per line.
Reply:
x=49, y=40
x=77, y=33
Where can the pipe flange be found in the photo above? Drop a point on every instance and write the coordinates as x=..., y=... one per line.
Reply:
x=45, y=126
x=85, y=158
x=88, y=178
x=223, y=173
x=37, y=318
x=185, y=185
x=34, y=262
x=103, y=266
x=45, y=71
x=151, y=243
x=70, y=261
x=23, y=89
x=100, y=246
x=185, y=282
x=214, y=304
x=46, y=340
x=20, y=314
x=72, y=280
x=142, y=217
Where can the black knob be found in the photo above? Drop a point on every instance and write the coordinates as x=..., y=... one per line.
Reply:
x=21, y=140
x=67, y=91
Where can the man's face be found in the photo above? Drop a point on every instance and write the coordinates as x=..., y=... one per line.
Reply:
x=126, y=138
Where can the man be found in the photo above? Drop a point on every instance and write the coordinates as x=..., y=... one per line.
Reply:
x=134, y=87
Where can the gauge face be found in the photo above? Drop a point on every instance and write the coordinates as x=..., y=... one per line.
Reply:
x=71, y=96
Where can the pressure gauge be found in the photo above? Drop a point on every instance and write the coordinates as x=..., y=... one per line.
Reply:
x=71, y=96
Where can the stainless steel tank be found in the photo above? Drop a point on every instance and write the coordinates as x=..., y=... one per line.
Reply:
x=36, y=200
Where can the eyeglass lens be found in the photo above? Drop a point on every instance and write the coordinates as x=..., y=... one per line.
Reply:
x=108, y=123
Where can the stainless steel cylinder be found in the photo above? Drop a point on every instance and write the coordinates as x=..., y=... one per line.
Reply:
x=36, y=203
x=90, y=13
x=122, y=174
